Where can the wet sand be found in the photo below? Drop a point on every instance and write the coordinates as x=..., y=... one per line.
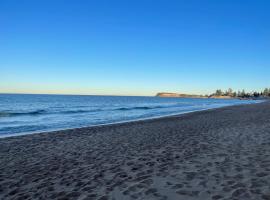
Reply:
x=216, y=154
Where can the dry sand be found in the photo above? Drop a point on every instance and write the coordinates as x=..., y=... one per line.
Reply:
x=215, y=154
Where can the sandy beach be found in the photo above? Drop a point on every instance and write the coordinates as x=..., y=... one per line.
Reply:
x=216, y=154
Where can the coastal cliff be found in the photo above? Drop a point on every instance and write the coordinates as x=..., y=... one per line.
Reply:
x=169, y=94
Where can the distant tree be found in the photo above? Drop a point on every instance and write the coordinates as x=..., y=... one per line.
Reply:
x=219, y=92
x=239, y=93
x=247, y=95
x=229, y=92
x=266, y=92
x=256, y=94
x=243, y=93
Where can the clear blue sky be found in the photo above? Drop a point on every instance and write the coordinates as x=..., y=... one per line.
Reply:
x=133, y=47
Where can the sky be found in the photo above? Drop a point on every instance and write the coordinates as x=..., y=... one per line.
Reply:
x=134, y=47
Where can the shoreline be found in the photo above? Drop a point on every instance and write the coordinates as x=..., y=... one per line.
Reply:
x=120, y=122
x=222, y=153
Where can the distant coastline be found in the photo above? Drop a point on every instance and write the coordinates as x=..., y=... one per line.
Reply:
x=217, y=95
x=170, y=94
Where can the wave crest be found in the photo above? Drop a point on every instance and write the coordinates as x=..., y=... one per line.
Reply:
x=9, y=114
x=139, y=108
x=41, y=111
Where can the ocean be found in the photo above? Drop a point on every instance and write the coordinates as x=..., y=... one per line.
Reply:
x=25, y=113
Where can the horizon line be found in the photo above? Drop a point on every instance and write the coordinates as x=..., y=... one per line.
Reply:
x=14, y=93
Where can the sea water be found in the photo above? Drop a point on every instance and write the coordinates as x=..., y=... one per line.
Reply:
x=25, y=113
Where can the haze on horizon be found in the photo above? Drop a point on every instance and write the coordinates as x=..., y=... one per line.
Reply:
x=134, y=47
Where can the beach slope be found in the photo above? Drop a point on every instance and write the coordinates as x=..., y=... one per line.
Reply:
x=216, y=154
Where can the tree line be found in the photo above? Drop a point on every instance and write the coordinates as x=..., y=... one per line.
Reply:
x=242, y=94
